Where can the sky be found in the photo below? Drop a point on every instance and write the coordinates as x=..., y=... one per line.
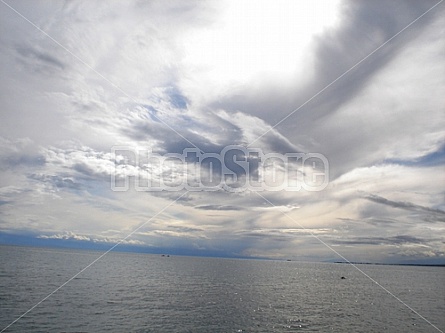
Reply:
x=87, y=88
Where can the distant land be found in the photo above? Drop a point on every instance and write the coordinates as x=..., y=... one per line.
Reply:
x=388, y=264
x=34, y=241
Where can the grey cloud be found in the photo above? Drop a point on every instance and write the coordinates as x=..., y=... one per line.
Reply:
x=365, y=25
x=169, y=141
x=282, y=234
x=20, y=152
x=57, y=181
x=9, y=191
x=210, y=136
x=17, y=159
x=278, y=237
x=84, y=169
x=372, y=221
x=437, y=213
x=184, y=229
x=178, y=131
x=219, y=207
x=396, y=240
x=275, y=143
x=40, y=60
x=175, y=127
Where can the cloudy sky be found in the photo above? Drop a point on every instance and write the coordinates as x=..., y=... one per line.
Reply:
x=361, y=82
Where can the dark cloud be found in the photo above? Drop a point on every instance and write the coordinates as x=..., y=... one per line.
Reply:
x=367, y=25
x=183, y=135
x=85, y=169
x=174, y=126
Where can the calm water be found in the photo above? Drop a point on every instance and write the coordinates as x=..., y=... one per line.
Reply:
x=150, y=293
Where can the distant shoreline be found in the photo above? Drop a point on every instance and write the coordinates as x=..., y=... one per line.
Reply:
x=178, y=253
x=400, y=264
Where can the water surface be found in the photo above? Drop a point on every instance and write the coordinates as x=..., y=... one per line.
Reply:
x=150, y=293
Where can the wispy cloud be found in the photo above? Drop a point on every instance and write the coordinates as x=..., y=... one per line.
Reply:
x=218, y=207
x=439, y=214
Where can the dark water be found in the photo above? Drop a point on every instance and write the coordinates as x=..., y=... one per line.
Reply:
x=150, y=293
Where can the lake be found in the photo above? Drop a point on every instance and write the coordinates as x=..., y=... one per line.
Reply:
x=128, y=292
